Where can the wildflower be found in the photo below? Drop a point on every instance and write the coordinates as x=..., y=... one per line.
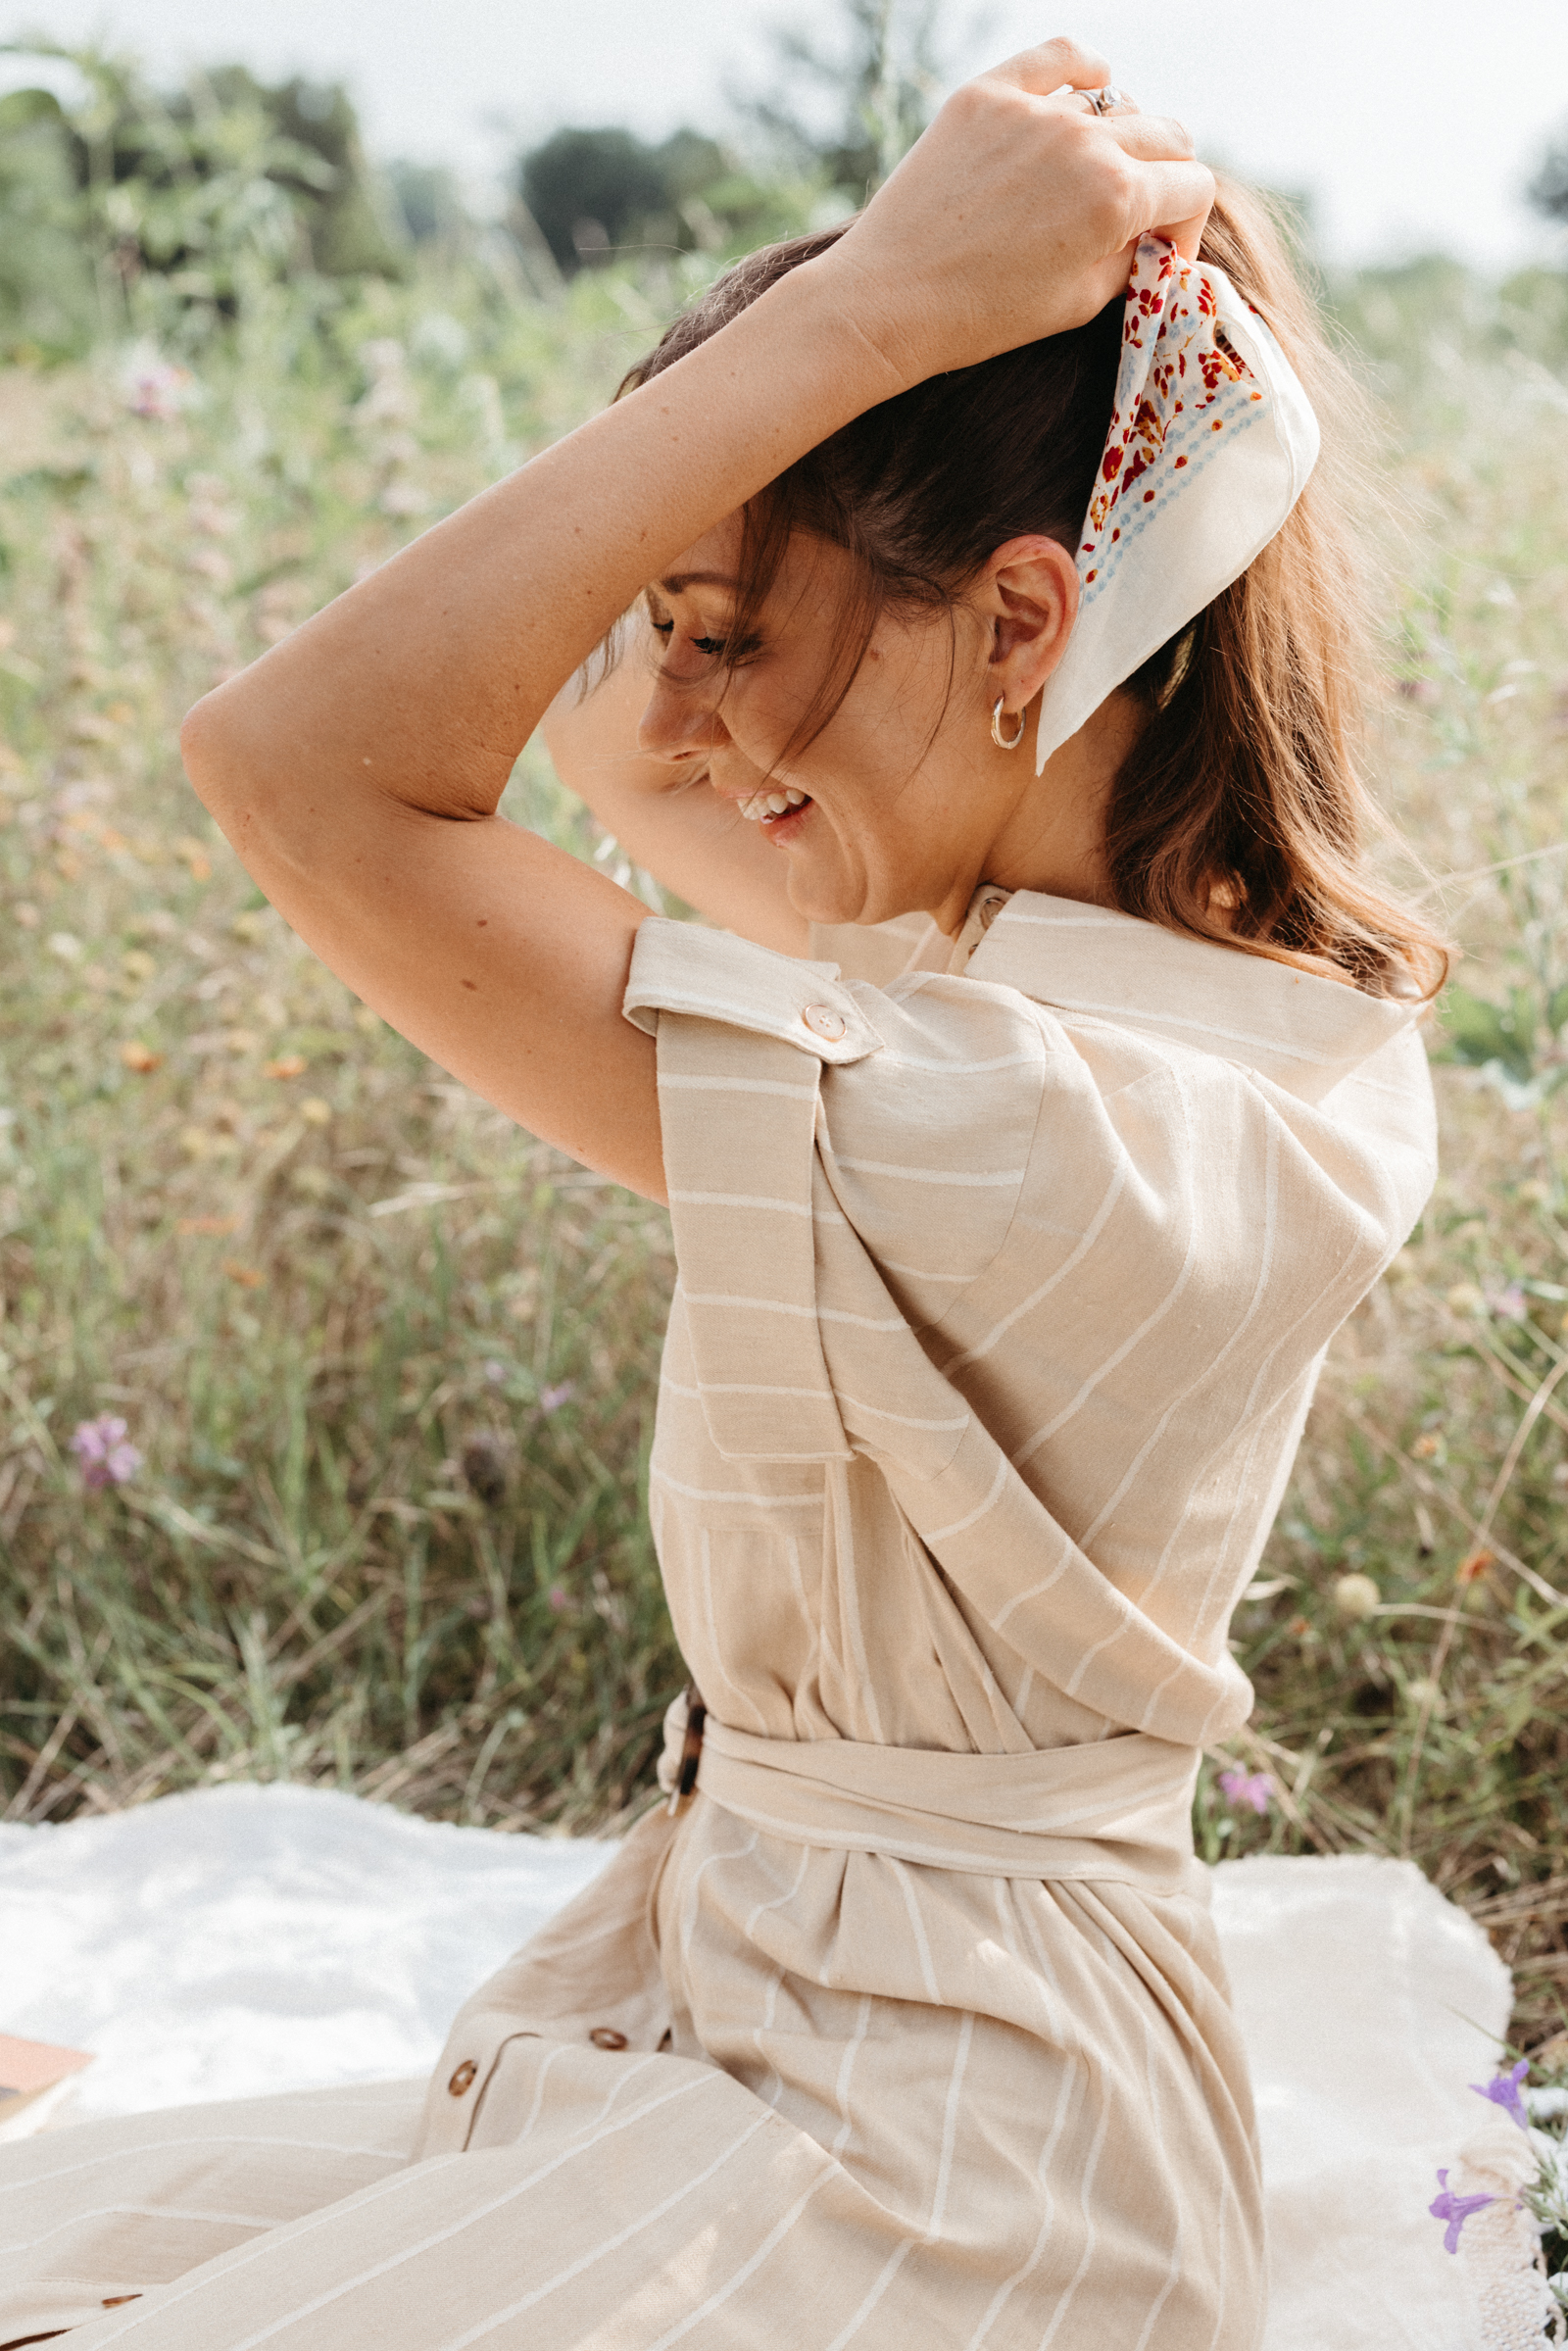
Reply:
x=106, y=1457
x=1356, y=1597
x=152, y=386
x=1455, y=2210
x=1508, y=1304
x=559, y=1598
x=1248, y=1788
x=1503, y=2090
x=551, y=1400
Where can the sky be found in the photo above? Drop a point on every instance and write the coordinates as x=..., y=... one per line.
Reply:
x=1414, y=123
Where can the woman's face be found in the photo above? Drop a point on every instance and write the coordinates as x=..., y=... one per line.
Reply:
x=902, y=803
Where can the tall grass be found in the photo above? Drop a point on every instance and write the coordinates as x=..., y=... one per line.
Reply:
x=391, y=1363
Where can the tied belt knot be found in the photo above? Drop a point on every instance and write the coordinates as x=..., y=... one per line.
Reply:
x=1115, y=1808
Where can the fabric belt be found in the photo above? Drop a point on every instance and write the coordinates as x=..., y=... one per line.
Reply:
x=1121, y=1808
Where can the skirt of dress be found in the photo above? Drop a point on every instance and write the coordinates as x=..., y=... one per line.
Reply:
x=793, y=2162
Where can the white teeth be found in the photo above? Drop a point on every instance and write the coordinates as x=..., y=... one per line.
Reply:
x=772, y=803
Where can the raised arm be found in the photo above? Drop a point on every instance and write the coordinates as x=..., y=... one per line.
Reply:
x=357, y=767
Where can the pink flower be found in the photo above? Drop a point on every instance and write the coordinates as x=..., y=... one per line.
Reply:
x=1248, y=1788
x=551, y=1400
x=1508, y=1304
x=156, y=389
x=559, y=1598
x=100, y=1447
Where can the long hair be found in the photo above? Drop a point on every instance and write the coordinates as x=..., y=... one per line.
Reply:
x=1240, y=814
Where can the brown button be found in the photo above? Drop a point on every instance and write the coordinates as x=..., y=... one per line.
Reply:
x=462, y=2078
x=605, y=2036
x=824, y=1022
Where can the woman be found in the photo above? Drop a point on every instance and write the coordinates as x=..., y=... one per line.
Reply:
x=1027, y=1131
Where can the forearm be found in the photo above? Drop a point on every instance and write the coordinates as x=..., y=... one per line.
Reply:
x=423, y=683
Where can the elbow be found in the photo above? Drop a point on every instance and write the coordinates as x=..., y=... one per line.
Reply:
x=201, y=738
x=211, y=747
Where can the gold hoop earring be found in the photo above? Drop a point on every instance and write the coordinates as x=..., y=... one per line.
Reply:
x=1004, y=742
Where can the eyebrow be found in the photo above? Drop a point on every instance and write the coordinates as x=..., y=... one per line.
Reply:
x=679, y=581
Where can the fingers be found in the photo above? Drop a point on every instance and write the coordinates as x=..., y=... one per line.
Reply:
x=1174, y=200
x=1151, y=138
x=1043, y=71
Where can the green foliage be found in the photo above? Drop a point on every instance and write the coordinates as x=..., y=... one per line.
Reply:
x=131, y=208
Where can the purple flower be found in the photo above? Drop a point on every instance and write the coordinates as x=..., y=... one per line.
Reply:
x=100, y=1447
x=1508, y=1304
x=551, y=1400
x=1248, y=1788
x=1503, y=2090
x=1455, y=2210
x=155, y=388
x=559, y=1598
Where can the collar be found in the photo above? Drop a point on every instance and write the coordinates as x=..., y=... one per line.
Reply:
x=1303, y=1032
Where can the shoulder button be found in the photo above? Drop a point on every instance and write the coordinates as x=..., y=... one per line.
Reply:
x=824, y=1022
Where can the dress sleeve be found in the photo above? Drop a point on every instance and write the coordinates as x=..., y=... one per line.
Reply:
x=842, y=1161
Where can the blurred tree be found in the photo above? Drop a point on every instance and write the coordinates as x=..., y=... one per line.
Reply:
x=588, y=190
x=48, y=301
x=850, y=109
x=350, y=228
x=1549, y=188
x=592, y=193
x=428, y=203
x=200, y=192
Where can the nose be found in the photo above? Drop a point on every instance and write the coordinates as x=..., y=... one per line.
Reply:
x=681, y=722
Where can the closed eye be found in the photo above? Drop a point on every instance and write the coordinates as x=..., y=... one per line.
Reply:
x=711, y=648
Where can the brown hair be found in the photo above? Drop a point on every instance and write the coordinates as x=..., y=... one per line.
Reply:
x=1238, y=815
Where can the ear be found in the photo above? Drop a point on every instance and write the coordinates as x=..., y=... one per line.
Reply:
x=1027, y=596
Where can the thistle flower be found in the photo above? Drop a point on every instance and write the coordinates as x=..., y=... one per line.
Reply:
x=106, y=1458
x=1248, y=1788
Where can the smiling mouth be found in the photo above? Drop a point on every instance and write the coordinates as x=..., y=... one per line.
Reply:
x=769, y=804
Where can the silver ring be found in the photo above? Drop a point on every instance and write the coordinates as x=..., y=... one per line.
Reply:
x=1108, y=101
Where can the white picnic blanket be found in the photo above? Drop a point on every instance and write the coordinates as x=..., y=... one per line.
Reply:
x=244, y=1939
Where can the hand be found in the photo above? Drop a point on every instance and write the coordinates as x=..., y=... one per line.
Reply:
x=1015, y=216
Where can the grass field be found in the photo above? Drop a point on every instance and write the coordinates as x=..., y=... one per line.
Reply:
x=389, y=1364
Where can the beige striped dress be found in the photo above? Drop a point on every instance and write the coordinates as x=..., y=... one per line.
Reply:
x=1005, y=1279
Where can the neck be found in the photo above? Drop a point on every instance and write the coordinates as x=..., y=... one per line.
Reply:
x=1053, y=839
